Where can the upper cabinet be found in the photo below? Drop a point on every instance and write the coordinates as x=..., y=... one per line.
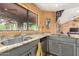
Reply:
x=15, y=17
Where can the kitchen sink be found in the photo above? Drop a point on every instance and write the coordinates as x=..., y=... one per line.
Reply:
x=26, y=38
x=16, y=40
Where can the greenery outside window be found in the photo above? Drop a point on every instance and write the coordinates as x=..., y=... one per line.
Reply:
x=17, y=18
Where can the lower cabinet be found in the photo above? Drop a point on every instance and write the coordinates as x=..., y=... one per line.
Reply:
x=67, y=49
x=61, y=47
x=44, y=44
x=30, y=52
x=77, y=50
x=77, y=47
x=24, y=50
x=54, y=47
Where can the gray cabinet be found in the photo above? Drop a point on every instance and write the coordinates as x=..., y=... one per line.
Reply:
x=77, y=47
x=30, y=52
x=54, y=47
x=67, y=49
x=44, y=44
x=33, y=51
x=77, y=50
x=13, y=52
x=62, y=46
x=24, y=50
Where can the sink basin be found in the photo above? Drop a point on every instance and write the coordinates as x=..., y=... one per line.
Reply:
x=26, y=38
x=15, y=40
x=9, y=42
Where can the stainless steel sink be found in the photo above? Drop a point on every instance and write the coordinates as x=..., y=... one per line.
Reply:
x=26, y=38
x=9, y=42
x=15, y=40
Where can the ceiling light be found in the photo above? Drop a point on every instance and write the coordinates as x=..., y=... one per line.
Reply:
x=6, y=9
x=1, y=20
x=56, y=5
x=78, y=11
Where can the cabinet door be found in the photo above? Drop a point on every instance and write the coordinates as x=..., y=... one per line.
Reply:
x=67, y=49
x=44, y=45
x=13, y=52
x=78, y=51
x=30, y=49
x=54, y=47
x=33, y=51
x=5, y=54
x=27, y=53
x=77, y=48
x=30, y=52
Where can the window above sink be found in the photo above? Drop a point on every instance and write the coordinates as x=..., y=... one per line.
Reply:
x=14, y=17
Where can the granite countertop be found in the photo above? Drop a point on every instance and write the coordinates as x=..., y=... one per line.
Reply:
x=34, y=37
x=73, y=36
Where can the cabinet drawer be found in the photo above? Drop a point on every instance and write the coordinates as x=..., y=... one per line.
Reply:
x=67, y=50
x=62, y=39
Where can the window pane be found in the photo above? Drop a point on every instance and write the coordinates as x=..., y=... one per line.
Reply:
x=12, y=17
x=32, y=21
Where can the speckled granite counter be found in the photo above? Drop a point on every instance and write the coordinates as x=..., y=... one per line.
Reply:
x=34, y=37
